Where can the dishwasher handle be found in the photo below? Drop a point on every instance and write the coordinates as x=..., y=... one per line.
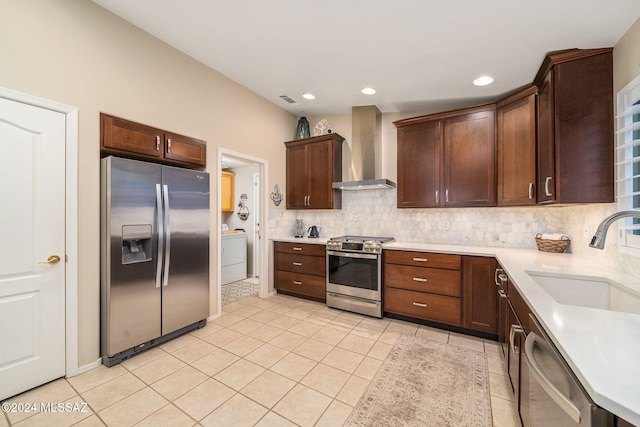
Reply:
x=556, y=395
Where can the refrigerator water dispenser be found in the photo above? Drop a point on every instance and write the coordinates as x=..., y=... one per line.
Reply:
x=136, y=243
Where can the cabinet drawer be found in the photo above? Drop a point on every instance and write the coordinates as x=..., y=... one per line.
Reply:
x=304, y=264
x=421, y=305
x=303, y=284
x=434, y=280
x=423, y=259
x=300, y=248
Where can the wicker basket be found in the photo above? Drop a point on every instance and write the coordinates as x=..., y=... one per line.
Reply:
x=555, y=246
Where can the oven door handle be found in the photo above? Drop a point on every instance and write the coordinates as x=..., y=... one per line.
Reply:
x=353, y=255
x=560, y=399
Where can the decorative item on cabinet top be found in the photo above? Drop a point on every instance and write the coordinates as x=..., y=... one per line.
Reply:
x=133, y=140
x=321, y=127
x=302, y=131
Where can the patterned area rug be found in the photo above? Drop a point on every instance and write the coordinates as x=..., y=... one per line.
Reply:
x=427, y=383
x=235, y=291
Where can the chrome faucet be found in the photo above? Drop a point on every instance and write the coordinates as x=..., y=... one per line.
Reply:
x=597, y=241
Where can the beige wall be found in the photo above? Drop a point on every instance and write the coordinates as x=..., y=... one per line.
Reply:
x=77, y=53
x=626, y=58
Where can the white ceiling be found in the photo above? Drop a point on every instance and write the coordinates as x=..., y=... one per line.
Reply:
x=417, y=54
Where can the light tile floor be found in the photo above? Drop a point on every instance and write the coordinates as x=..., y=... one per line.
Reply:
x=279, y=361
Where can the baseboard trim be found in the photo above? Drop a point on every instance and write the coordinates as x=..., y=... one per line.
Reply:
x=89, y=366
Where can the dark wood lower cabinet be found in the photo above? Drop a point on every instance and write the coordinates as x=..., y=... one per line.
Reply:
x=480, y=310
x=446, y=289
x=300, y=270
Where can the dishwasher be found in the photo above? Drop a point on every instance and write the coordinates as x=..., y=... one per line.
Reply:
x=551, y=394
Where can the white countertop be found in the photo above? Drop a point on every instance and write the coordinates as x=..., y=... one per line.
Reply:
x=602, y=347
x=316, y=240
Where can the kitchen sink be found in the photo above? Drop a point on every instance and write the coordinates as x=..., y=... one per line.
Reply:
x=588, y=291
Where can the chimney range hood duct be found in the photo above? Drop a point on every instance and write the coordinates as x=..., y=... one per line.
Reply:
x=366, y=151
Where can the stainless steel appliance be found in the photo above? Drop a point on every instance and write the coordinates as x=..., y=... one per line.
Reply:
x=354, y=273
x=552, y=395
x=155, y=255
x=313, y=232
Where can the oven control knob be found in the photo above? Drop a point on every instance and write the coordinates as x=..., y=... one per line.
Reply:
x=372, y=247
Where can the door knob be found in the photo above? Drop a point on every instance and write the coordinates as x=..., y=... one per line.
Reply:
x=53, y=259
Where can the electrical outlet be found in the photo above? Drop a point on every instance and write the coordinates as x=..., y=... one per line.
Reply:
x=586, y=233
x=527, y=226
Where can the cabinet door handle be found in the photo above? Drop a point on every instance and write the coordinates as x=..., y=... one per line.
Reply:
x=446, y=195
x=297, y=282
x=530, y=190
x=547, y=192
x=437, y=197
x=308, y=200
x=515, y=329
x=420, y=259
x=157, y=142
x=495, y=275
x=419, y=279
x=420, y=304
x=169, y=145
x=503, y=278
x=297, y=263
x=502, y=294
x=297, y=249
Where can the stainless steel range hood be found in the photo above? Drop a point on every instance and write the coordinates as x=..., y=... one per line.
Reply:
x=366, y=151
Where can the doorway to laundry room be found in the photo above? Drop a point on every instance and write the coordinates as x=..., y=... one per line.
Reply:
x=241, y=243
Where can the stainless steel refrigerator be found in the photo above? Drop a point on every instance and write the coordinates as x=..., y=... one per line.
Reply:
x=154, y=255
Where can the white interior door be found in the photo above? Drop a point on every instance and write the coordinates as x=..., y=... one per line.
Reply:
x=256, y=221
x=32, y=246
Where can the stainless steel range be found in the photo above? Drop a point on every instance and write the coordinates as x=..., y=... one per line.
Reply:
x=354, y=273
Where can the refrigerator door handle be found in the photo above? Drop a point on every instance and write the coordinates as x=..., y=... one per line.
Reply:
x=160, y=235
x=167, y=231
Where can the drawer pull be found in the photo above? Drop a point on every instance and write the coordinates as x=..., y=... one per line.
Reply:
x=420, y=259
x=419, y=279
x=297, y=249
x=297, y=282
x=297, y=263
x=420, y=304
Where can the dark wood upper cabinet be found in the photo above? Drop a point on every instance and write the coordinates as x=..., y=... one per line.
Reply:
x=517, y=148
x=119, y=136
x=447, y=159
x=419, y=163
x=313, y=165
x=184, y=149
x=575, y=127
x=125, y=138
x=470, y=159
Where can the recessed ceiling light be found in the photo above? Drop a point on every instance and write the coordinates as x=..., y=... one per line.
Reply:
x=309, y=96
x=483, y=81
x=368, y=91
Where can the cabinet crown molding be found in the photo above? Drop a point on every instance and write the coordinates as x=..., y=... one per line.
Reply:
x=566, y=55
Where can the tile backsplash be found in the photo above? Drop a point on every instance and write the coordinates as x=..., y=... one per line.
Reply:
x=374, y=213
